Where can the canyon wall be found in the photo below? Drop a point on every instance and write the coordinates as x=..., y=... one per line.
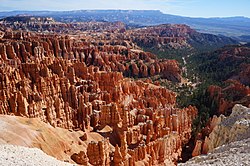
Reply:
x=74, y=85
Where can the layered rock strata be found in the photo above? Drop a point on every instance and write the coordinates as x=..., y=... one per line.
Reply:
x=73, y=85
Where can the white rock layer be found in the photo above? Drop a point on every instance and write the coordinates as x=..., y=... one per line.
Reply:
x=229, y=142
x=11, y=155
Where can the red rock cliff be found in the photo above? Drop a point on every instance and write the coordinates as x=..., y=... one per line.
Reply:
x=71, y=85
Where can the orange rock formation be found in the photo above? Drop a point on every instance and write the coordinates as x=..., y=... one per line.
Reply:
x=73, y=85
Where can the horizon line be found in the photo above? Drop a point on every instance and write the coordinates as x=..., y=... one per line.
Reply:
x=44, y=10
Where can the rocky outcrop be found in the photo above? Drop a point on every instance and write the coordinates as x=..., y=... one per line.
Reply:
x=222, y=130
x=228, y=140
x=237, y=56
x=80, y=158
x=224, y=101
x=98, y=153
x=234, y=153
x=230, y=129
x=234, y=93
x=172, y=71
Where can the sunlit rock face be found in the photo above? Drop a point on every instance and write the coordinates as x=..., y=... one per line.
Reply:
x=228, y=142
x=74, y=85
x=230, y=129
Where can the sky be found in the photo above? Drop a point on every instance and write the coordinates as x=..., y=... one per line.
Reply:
x=192, y=8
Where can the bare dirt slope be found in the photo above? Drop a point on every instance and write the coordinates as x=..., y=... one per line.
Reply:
x=31, y=132
x=18, y=155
